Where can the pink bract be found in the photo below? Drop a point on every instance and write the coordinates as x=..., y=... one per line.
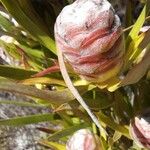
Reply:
x=90, y=36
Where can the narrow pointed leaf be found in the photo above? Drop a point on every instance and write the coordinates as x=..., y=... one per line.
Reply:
x=32, y=119
x=98, y=100
x=28, y=9
x=5, y=23
x=52, y=145
x=116, y=127
x=54, y=97
x=35, y=53
x=43, y=80
x=15, y=73
x=14, y=9
x=22, y=104
x=60, y=134
x=139, y=23
x=19, y=73
x=117, y=135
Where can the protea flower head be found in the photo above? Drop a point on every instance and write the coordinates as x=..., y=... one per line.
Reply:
x=83, y=139
x=140, y=129
x=90, y=36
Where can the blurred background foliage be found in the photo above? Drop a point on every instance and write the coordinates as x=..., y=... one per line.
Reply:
x=27, y=41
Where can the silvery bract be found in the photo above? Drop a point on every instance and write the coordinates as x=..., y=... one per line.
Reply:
x=140, y=129
x=83, y=139
x=90, y=36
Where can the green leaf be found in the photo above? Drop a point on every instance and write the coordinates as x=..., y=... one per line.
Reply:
x=129, y=14
x=22, y=74
x=136, y=47
x=116, y=127
x=96, y=99
x=35, y=53
x=144, y=97
x=112, y=84
x=22, y=104
x=79, y=113
x=138, y=71
x=43, y=80
x=10, y=49
x=52, y=145
x=138, y=24
x=60, y=134
x=28, y=9
x=32, y=119
x=53, y=97
x=133, y=39
x=132, y=49
x=66, y=118
x=16, y=11
x=117, y=135
x=122, y=106
x=104, y=144
x=5, y=23
x=35, y=58
x=15, y=73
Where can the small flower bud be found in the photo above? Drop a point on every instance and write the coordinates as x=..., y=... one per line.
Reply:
x=140, y=129
x=90, y=36
x=83, y=140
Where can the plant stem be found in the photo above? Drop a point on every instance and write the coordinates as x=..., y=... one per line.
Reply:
x=74, y=90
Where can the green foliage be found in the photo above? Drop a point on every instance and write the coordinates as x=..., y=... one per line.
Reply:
x=63, y=133
x=19, y=121
x=31, y=43
x=33, y=26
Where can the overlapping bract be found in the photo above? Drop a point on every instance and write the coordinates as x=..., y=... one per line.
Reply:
x=90, y=36
x=83, y=139
x=140, y=129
